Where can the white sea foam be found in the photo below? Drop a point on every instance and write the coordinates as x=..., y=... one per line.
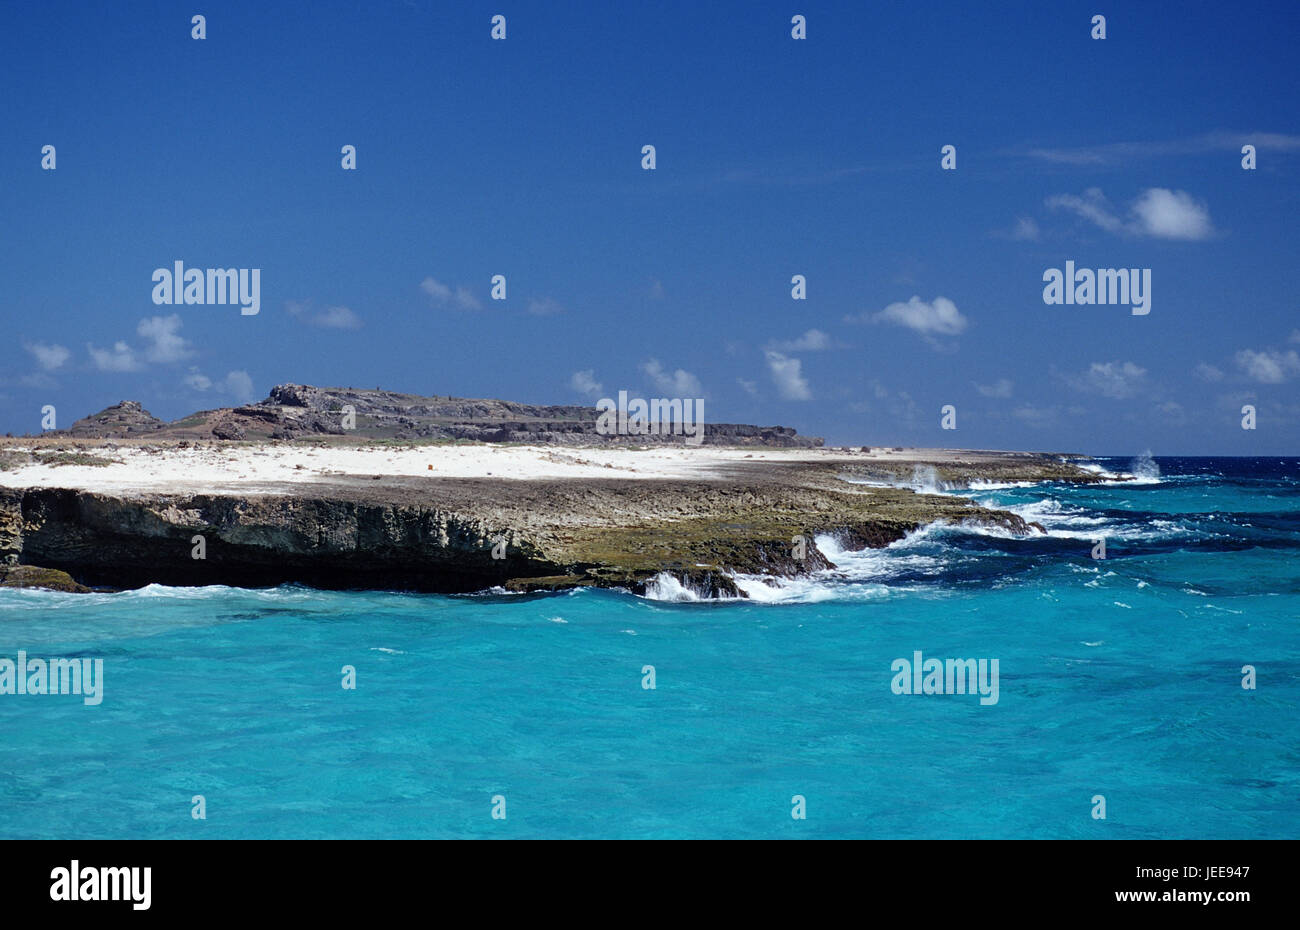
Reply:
x=1066, y=521
x=1142, y=470
x=763, y=589
x=924, y=480
x=666, y=587
x=923, y=553
x=1102, y=472
x=823, y=586
x=999, y=485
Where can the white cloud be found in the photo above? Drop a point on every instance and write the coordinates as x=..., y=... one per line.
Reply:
x=436, y=289
x=1025, y=230
x=164, y=343
x=240, y=384
x=338, y=318
x=1208, y=372
x=812, y=341
x=119, y=358
x=1068, y=156
x=749, y=387
x=48, y=357
x=1157, y=212
x=544, y=307
x=584, y=382
x=1116, y=380
x=1000, y=388
x=1167, y=214
x=787, y=374
x=938, y=318
x=466, y=300
x=461, y=298
x=1270, y=366
x=197, y=380
x=329, y=318
x=1118, y=152
x=678, y=384
x=1092, y=206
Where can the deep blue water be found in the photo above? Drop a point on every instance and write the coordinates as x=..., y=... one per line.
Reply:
x=1119, y=678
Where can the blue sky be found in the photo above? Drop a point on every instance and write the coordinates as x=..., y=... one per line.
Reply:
x=775, y=157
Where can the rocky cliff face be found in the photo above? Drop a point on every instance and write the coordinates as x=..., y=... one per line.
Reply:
x=440, y=536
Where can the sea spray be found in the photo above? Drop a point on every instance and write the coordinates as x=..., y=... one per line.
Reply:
x=1144, y=466
x=925, y=479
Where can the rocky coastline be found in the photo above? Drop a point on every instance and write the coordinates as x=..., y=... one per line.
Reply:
x=343, y=488
x=456, y=534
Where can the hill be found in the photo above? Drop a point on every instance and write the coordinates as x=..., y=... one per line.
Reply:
x=297, y=411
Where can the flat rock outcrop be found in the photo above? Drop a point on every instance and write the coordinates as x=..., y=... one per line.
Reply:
x=469, y=534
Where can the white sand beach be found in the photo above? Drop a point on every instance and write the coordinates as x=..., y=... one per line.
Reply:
x=263, y=468
x=276, y=468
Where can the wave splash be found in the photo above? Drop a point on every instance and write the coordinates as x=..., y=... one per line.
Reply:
x=1144, y=467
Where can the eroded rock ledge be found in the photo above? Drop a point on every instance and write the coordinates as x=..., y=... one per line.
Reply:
x=438, y=535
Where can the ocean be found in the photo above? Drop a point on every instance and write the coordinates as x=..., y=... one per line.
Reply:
x=498, y=715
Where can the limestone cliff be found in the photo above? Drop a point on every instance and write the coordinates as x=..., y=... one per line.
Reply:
x=440, y=535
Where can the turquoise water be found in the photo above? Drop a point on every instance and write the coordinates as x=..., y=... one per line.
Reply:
x=1119, y=678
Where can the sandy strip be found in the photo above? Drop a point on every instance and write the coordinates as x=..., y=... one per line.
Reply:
x=265, y=469
x=254, y=469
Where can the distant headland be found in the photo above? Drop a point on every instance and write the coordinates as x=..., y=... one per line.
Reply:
x=372, y=489
x=298, y=411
